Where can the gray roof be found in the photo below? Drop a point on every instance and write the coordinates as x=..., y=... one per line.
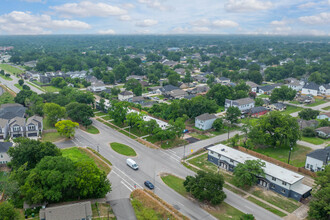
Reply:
x=3, y=122
x=126, y=93
x=17, y=120
x=177, y=92
x=258, y=109
x=205, y=117
x=137, y=98
x=4, y=146
x=222, y=78
x=9, y=111
x=242, y=101
x=189, y=96
x=267, y=88
x=75, y=211
x=279, y=105
x=35, y=120
x=312, y=86
x=169, y=88
x=326, y=86
x=320, y=154
x=325, y=130
x=252, y=84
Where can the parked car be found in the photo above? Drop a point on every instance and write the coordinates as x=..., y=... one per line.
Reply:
x=185, y=131
x=149, y=184
x=132, y=164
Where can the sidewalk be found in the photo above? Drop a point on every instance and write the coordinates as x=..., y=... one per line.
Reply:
x=313, y=146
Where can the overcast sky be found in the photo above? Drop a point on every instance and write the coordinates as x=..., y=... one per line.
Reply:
x=283, y=17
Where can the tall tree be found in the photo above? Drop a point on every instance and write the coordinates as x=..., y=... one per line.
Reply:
x=118, y=112
x=8, y=212
x=245, y=174
x=66, y=128
x=308, y=114
x=31, y=152
x=282, y=94
x=54, y=112
x=80, y=112
x=135, y=86
x=206, y=187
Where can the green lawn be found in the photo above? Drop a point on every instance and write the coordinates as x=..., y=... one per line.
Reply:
x=313, y=140
x=46, y=124
x=10, y=69
x=81, y=154
x=6, y=98
x=6, y=77
x=18, y=86
x=173, y=143
x=280, y=201
x=100, y=114
x=51, y=89
x=223, y=211
x=34, y=85
x=199, y=136
x=221, y=109
x=317, y=102
x=297, y=158
x=291, y=109
x=107, y=118
x=122, y=149
x=248, y=120
x=136, y=131
x=51, y=137
x=271, y=209
x=92, y=130
x=263, y=96
x=175, y=183
x=326, y=108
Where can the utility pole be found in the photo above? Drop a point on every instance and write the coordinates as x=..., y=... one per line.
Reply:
x=290, y=154
x=184, y=151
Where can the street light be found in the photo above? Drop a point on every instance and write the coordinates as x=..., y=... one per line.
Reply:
x=290, y=154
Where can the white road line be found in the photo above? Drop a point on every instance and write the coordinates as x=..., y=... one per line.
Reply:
x=126, y=186
x=180, y=203
x=123, y=179
x=128, y=177
x=170, y=156
x=173, y=153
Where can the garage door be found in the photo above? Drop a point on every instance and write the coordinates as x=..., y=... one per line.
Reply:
x=32, y=135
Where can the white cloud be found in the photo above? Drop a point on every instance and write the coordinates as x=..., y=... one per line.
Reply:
x=88, y=9
x=278, y=23
x=247, y=5
x=128, y=5
x=125, y=18
x=18, y=22
x=146, y=23
x=109, y=31
x=156, y=4
x=307, y=5
x=225, y=23
x=201, y=22
x=322, y=18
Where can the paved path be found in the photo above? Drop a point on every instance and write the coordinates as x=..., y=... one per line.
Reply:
x=152, y=162
x=313, y=146
x=123, y=209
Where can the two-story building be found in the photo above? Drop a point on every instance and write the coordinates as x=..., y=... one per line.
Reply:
x=244, y=104
x=16, y=127
x=205, y=121
x=317, y=159
x=33, y=126
x=277, y=179
x=310, y=89
x=325, y=89
x=4, y=147
x=125, y=96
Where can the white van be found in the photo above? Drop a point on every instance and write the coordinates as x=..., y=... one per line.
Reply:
x=131, y=163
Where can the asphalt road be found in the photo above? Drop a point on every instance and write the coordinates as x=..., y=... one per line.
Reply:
x=152, y=163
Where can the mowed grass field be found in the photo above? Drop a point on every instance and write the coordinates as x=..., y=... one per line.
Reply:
x=10, y=69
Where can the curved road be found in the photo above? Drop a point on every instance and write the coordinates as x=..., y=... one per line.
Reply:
x=152, y=163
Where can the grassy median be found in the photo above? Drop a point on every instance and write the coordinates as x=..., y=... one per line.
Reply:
x=123, y=149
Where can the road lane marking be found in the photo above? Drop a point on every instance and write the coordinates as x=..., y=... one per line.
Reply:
x=123, y=180
x=170, y=156
x=126, y=186
x=128, y=177
x=180, y=203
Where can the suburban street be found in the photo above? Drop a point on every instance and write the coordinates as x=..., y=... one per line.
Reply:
x=152, y=163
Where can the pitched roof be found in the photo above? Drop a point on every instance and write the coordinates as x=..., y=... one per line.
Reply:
x=9, y=111
x=126, y=93
x=169, y=88
x=17, y=120
x=137, y=98
x=3, y=122
x=325, y=130
x=222, y=78
x=326, y=86
x=80, y=210
x=267, y=88
x=320, y=154
x=34, y=120
x=312, y=86
x=4, y=146
x=205, y=116
x=258, y=109
x=325, y=113
x=252, y=84
x=242, y=101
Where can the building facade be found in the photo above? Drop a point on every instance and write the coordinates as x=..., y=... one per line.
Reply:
x=205, y=121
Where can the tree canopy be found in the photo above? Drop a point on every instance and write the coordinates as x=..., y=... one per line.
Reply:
x=247, y=173
x=282, y=94
x=308, y=114
x=54, y=112
x=66, y=128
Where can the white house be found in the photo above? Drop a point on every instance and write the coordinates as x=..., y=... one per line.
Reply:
x=323, y=132
x=244, y=104
x=278, y=179
x=325, y=89
x=310, y=89
x=296, y=85
x=324, y=115
x=254, y=86
x=316, y=160
x=205, y=121
x=4, y=147
x=98, y=86
x=125, y=96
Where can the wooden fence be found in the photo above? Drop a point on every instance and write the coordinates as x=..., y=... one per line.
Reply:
x=277, y=162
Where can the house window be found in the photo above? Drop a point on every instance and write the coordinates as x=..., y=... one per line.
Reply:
x=16, y=128
x=283, y=183
x=272, y=186
x=231, y=161
x=282, y=190
x=31, y=127
x=1, y=156
x=273, y=178
x=311, y=166
x=307, y=165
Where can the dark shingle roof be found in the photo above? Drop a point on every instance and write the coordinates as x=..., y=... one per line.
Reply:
x=320, y=154
x=4, y=146
x=258, y=109
x=169, y=88
x=325, y=130
x=206, y=116
x=125, y=93
x=267, y=88
x=9, y=111
x=312, y=86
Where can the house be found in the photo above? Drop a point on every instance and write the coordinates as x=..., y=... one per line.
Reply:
x=125, y=96
x=189, y=97
x=200, y=78
x=267, y=89
x=97, y=86
x=168, y=88
x=91, y=78
x=223, y=80
x=137, y=77
x=317, y=159
x=180, y=71
x=325, y=89
x=205, y=121
x=155, y=90
x=3, y=128
x=4, y=147
x=16, y=127
x=33, y=126
x=307, y=123
x=253, y=86
x=76, y=211
x=144, y=83
x=277, y=179
x=277, y=106
x=324, y=115
x=176, y=94
x=199, y=89
x=244, y=104
x=257, y=111
x=296, y=85
x=310, y=89
x=323, y=132
x=9, y=111
x=137, y=100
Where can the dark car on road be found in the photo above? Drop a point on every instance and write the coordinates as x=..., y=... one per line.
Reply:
x=149, y=184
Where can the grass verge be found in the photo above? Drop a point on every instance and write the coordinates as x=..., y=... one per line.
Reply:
x=313, y=140
x=18, y=86
x=326, y=108
x=51, y=137
x=10, y=69
x=6, y=77
x=271, y=209
x=317, y=102
x=81, y=154
x=90, y=129
x=98, y=154
x=122, y=149
x=291, y=109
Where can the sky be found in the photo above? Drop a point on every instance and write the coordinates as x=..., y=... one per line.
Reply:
x=264, y=17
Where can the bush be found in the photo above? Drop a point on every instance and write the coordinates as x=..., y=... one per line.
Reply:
x=308, y=132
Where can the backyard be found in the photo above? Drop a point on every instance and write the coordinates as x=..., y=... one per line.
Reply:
x=10, y=69
x=6, y=98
